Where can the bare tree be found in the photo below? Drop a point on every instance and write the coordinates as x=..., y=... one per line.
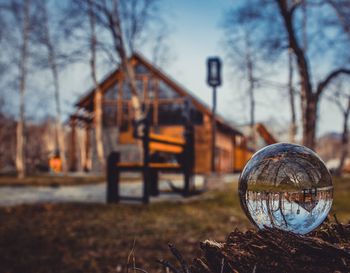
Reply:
x=345, y=137
x=283, y=26
x=98, y=91
x=309, y=96
x=125, y=25
x=244, y=59
x=52, y=63
x=251, y=86
x=342, y=9
x=112, y=15
x=340, y=96
x=161, y=51
x=291, y=91
x=20, y=157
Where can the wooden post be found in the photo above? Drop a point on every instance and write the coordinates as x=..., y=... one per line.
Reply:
x=146, y=159
x=145, y=88
x=213, y=128
x=113, y=178
x=234, y=153
x=73, y=152
x=87, y=166
x=189, y=148
x=155, y=102
x=154, y=189
x=120, y=104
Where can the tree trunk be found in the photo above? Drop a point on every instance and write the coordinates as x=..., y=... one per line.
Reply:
x=98, y=111
x=131, y=79
x=293, y=124
x=60, y=135
x=251, y=80
x=344, y=142
x=98, y=127
x=73, y=150
x=127, y=67
x=88, y=158
x=308, y=99
x=20, y=158
x=309, y=119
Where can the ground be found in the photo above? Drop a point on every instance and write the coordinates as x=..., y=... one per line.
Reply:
x=50, y=180
x=99, y=238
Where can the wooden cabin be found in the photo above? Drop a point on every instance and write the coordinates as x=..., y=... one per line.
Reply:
x=164, y=97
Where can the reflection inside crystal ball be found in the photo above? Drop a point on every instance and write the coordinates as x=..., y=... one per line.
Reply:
x=286, y=186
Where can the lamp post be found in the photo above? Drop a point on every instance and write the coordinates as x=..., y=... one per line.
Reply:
x=213, y=80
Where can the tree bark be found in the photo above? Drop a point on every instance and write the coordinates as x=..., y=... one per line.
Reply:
x=60, y=135
x=119, y=44
x=344, y=141
x=98, y=111
x=20, y=157
x=293, y=123
x=342, y=16
x=309, y=120
x=73, y=150
x=88, y=161
x=309, y=99
x=251, y=81
x=109, y=17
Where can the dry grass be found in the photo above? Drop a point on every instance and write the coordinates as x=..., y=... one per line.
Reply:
x=99, y=238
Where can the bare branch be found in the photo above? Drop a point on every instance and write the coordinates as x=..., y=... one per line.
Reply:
x=295, y=5
x=342, y=16
x=334, y=74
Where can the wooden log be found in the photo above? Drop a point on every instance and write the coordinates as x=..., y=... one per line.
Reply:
x=273, y=250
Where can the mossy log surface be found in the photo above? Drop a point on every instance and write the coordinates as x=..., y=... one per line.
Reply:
x=272, y=250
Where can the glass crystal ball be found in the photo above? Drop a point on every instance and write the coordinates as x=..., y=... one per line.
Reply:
x=286, y=186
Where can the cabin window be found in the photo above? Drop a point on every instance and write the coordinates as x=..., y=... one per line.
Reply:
x=173, y=114
x=166, y=92
x=170, y=114
x=127, y=90
x=111, y=93
x=141, y=69
x=125, y=119
x=152, y=89
x=109, y=115
x=197, y=117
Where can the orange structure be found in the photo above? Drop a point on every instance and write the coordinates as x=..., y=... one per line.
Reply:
x=55, y=164
x=265, y=134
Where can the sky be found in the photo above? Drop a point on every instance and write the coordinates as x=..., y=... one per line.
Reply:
x=197, y=35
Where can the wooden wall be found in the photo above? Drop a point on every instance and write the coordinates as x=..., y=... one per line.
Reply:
x=202, y=146
x=231, y=153
x=224, y=152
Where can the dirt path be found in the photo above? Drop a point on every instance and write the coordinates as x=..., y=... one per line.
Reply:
x=10, y=196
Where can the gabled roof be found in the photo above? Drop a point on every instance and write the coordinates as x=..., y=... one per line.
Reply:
x=113, y=77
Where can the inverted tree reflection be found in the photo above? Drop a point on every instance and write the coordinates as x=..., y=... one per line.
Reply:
x=286, y=186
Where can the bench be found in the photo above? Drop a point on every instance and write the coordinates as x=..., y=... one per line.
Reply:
x=154, y=145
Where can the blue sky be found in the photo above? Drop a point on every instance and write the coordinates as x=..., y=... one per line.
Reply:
x=196, y=35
